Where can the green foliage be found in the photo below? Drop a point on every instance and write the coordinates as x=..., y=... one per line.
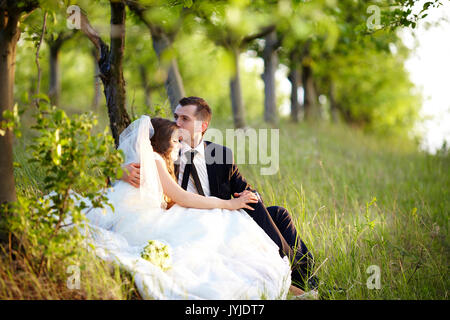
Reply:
x=228, y=22
x=374, y=91
x=343, y=50
x=301, y=21
x=71, y=158
x=407, y=13
x=371, y=84
x=11, y=121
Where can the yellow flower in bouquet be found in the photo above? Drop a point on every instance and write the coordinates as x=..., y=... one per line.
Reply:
x=158, y=254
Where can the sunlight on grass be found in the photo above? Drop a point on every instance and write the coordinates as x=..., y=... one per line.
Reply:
x=329, y=176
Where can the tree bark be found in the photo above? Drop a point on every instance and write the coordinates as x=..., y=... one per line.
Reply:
x=174, y=82
x=310, y=102
x=55, y=45
x=145, y=86
x=236, y=94
x=270, y=57
x=294, y=78
x=10, y=15
x=114, y=83
x=111, y=70
x=9, y=35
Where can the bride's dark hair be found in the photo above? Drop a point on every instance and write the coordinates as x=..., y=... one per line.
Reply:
x=163, y=131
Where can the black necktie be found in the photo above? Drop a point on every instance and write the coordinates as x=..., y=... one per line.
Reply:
x=190, y=169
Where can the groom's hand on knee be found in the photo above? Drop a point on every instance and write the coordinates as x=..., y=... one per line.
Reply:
x=132, y=174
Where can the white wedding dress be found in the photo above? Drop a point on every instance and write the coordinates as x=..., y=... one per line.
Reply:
x=215, y=254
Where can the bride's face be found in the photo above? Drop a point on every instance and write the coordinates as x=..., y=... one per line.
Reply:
x=175, y=144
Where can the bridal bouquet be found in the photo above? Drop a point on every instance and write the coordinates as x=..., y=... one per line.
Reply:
x=158, y=254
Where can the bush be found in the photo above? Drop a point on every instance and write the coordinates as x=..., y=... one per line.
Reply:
x=72, y=159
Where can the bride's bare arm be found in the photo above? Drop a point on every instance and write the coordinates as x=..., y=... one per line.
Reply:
x=192, y=200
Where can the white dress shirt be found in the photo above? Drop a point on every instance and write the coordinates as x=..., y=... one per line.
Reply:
x=200, y=165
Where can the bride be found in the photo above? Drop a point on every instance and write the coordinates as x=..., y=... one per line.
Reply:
x=217, y=251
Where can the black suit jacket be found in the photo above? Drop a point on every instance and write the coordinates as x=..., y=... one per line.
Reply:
x=225, y=179
x=223, y=174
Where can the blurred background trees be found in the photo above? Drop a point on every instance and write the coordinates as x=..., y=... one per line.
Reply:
x=337, y=66
x=343, y=59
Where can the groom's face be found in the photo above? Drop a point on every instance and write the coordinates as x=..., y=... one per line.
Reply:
x=186, y=119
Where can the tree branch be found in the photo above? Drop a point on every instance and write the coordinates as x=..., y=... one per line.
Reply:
x=138, y=10
x=155, y=30
x=89, y=31
x=264, y=31
x=29, y=6
x=60, y=39
x=39, y=75
x=100, y=46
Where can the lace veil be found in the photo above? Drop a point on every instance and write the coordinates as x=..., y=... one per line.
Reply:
x=134, y=141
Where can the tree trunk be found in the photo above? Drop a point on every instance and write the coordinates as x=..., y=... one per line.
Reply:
x=270, y=66
x=113, y=82
x=54, y=80
x=310, y=104
x=235, y=92
x=162, y=42
x=9, y=35
x=294, y=78
x=55, y=45
x=145, y=86
x=110, y=65
x=97, y=81
x=310, y=101
x=174, y=82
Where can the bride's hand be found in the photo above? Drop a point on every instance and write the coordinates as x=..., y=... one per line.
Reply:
x=242, y=201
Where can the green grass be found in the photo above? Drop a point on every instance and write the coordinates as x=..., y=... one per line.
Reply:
x=328, y=176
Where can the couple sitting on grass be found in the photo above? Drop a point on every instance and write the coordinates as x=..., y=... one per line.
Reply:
x=220, y=240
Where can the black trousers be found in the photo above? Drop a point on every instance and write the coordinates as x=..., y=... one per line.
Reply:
x=279, y=226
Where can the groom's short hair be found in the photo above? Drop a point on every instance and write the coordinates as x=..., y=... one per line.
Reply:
x=203, y=111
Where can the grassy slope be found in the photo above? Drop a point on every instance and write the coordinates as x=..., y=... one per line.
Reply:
x=327, y=176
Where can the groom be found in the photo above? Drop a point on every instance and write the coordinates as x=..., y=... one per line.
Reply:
x=214, y=173
x=208, y=169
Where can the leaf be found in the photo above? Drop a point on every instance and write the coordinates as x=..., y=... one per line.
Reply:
x=60, y=115
x=426, y=5
x=187, y=3
x=41, y=96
